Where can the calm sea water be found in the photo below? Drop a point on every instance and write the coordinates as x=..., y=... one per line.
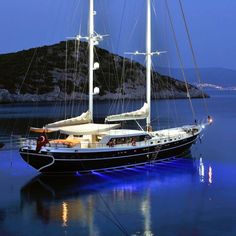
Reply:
x=192, y=195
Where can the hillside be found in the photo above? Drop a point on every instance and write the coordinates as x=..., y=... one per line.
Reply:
x=39, y=74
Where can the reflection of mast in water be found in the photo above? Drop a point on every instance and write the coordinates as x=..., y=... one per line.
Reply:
x=70, y=209
x=127, y=193
x=145, y=209
x=55, y=204
x=91, y=225
x=210, y=175
x=123, y=193
x=83, y=211
x=201, y=170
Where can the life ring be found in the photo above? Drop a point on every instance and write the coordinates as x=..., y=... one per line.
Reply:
x=41, y=139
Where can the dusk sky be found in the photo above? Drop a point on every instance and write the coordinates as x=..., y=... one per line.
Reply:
x=30, y=23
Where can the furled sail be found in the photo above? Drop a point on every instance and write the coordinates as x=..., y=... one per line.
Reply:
x=84, y=118
x=134, y=115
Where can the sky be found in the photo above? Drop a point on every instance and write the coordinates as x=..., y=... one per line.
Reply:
x=30, y=23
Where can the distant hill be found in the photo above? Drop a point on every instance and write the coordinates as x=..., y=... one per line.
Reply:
x=212, y=78
x=39, y=74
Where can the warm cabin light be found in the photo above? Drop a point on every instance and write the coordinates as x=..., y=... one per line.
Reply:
x=64, y=214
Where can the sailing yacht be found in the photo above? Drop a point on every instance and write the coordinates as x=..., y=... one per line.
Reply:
x=89, y=146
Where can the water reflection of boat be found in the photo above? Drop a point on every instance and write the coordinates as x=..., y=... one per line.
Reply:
x=2, y=145
x=85, y=199
x=43, y=186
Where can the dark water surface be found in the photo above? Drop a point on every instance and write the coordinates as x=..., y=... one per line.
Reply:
x=192, y=195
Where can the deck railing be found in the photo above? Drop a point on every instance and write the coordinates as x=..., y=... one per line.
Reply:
x=11, y=142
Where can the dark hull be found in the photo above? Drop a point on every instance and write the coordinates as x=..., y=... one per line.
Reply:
x=68, y=162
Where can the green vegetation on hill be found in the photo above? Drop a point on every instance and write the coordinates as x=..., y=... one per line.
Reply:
x=40, y=70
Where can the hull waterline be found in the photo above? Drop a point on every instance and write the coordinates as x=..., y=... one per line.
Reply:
x=77, y=161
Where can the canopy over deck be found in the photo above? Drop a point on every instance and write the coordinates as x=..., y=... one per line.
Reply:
x=90, y=128
x=82, y=129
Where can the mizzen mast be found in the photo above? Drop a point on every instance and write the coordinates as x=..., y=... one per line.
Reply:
x=148, y=54
x=148, y=64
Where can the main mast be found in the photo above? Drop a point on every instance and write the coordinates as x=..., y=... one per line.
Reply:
x=91, y=56
x=148, y=63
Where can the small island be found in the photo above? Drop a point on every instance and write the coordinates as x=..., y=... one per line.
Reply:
x=51, y=73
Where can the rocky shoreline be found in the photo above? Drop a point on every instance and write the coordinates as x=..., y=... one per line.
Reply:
x=6, y=97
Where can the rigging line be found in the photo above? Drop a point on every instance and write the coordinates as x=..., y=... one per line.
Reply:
x=66, y=71
x=133, y=30
x=77, y=81
x=105, y=83
x=180, y=59
x=97, y=57
x=165, y=82
x=167, y=59
x=123, y=83
x=27, y=71
x=141, y=128
x=121, y=25
x=172, y=89
x=122, y=228
x=115, y=64
x=120, y=103
x=113, y=221
x=76, y=6
x=153, y=8
x=74, y=76
x=193, y=54
x=81, y=89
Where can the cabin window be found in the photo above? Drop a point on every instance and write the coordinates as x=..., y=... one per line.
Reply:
x=126, y=140
x=142, y=138
x=120, y=140
x=111, y=142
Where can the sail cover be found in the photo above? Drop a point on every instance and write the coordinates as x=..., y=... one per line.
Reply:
x=87, y=128
x=134, y=115
x=82, y=119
